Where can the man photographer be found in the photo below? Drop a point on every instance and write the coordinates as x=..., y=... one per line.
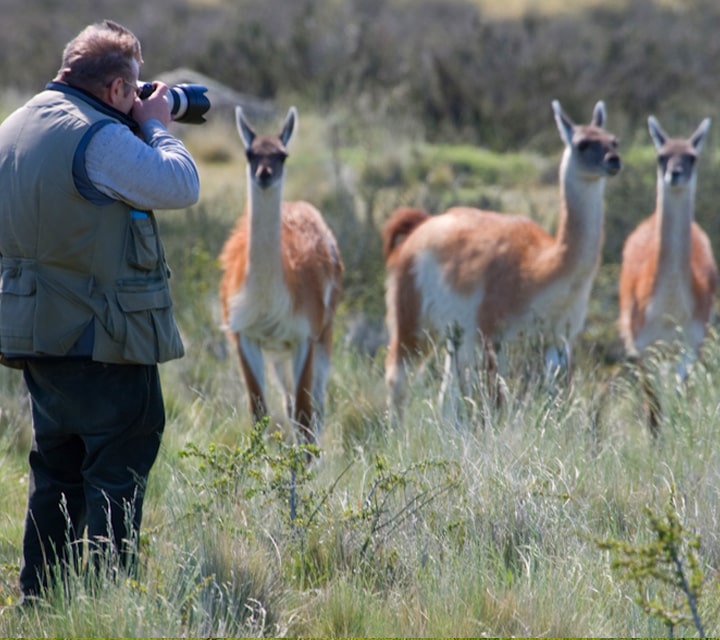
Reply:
x=85, y=308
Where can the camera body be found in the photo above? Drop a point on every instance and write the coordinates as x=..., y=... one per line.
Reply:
x=188, y=102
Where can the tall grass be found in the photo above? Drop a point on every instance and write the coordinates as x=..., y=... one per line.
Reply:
x=462, y=520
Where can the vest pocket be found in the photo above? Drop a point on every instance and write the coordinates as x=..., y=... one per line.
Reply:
x=147, y=327
x=17, y=305
x=142, y=248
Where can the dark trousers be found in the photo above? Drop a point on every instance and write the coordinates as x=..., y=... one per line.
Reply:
x=97, y=430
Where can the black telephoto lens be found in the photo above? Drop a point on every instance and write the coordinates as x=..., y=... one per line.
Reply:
x=188, y=102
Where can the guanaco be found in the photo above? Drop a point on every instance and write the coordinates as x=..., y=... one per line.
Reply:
x=489, y=277
x=281, y=285
x=668, y=276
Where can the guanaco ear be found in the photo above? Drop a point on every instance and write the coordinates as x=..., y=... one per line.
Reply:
x=659, y=137
x=289, y=126
x=599, y=115
x=698, y=137
x=244, y=129
x=564, y=124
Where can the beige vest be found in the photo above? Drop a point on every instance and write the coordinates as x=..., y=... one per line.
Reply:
x=71, y=258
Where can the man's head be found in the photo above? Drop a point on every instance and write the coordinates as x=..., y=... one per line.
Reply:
x=104, y=59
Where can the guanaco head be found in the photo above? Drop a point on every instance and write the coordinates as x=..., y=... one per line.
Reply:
x=594, y=150
x=676, y=157
x=265, y=154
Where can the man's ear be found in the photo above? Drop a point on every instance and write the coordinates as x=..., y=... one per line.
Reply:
x=115, y=91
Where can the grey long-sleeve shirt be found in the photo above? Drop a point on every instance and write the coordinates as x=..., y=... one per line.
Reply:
x=164, y=175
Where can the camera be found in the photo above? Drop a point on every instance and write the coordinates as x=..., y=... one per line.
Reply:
x=188, y=102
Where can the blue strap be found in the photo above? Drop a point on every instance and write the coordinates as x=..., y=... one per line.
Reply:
x=82, y=182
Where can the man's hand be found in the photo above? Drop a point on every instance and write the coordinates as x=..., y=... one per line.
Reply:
x=155, y=106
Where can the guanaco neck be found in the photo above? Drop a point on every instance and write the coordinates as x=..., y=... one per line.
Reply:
x=579, y=234
x=264, y=257
x=675, y=210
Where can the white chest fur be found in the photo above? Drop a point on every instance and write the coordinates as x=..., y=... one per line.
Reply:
x=264, y=314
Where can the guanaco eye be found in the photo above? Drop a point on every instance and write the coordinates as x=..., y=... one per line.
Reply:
x=583, y=145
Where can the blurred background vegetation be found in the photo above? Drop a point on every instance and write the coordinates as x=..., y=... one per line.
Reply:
x=463, y=70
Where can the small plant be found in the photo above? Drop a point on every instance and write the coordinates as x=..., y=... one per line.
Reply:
x=318, y=540
x=666, y=571
x=398, y=496
x=256, y=469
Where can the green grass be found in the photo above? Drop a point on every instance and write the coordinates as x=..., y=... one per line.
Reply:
x=436, y=527
x=480, y=523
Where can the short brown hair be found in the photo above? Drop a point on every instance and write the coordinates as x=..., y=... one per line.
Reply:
x=100, y=53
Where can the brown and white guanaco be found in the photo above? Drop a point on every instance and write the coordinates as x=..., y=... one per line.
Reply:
x=494, y=276
x=668, y=276
x=281, y=285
